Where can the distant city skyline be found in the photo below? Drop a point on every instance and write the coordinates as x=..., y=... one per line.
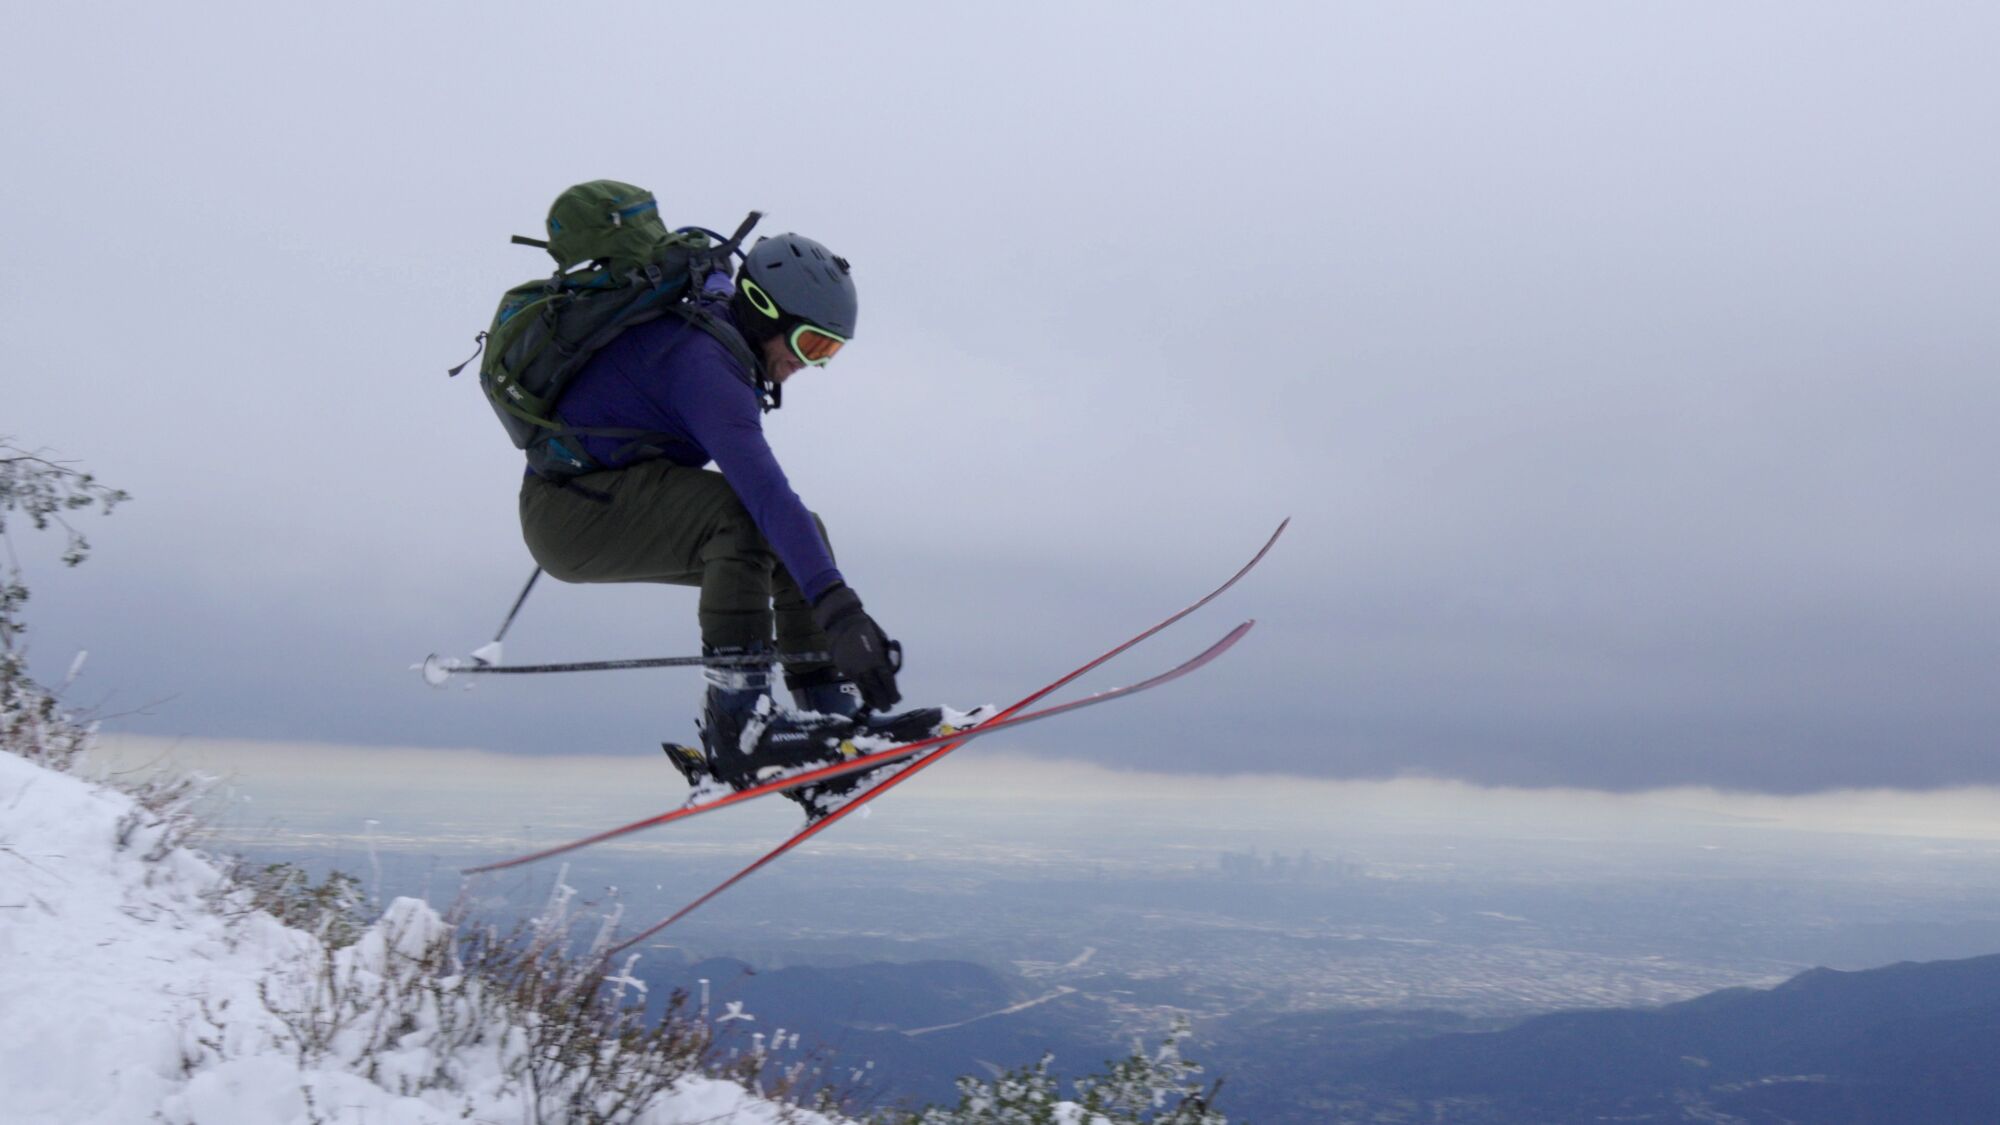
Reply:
x=1487, y=902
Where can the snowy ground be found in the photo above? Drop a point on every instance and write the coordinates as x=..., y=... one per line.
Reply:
x=127, y=995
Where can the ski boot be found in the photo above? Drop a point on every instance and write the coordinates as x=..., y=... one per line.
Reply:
x=822, y=798
x=692, y=763
x=747, y=738
x=823, y=692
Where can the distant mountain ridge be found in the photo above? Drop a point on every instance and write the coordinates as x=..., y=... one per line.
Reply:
x=1911, y=1042
x=915, y=1026
x=875, y=995
x=1908, y=1044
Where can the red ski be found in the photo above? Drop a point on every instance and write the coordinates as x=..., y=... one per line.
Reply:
x=880, y=758
x=952, y=742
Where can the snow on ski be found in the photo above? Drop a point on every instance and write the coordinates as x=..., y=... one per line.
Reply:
x=880, y=758
x=815, y=827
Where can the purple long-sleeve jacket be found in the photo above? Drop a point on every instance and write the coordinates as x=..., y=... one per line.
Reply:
x=671, y=377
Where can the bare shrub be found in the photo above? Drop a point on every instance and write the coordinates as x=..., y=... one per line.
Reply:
x=33, y=722
x=1159, y=1088
x=419, y=1003
x=332, y=910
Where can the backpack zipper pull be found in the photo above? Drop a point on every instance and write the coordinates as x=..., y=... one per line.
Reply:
x=480, y=341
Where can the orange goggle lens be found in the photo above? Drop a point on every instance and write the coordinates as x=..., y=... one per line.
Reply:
x=815, y=345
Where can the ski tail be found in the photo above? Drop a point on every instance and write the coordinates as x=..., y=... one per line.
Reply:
x=917, y=766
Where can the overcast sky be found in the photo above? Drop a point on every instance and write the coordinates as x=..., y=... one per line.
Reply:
x=1628, y=370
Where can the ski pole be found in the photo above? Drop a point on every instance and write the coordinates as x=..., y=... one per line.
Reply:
x=438, y=669
x=490, y=653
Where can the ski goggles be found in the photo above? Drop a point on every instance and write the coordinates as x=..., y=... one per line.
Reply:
x=815, y=345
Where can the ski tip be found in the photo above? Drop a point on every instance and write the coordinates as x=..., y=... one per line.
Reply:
x=1271, y=542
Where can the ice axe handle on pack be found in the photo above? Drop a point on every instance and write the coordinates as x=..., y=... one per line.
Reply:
x=733, y=242
x=725, y=245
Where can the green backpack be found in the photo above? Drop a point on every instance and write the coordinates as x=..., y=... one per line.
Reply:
x=617, y=265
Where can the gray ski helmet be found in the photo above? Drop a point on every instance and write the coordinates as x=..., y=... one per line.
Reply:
x=789, y=278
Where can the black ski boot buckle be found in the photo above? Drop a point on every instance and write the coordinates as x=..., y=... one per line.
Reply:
x=692, y=763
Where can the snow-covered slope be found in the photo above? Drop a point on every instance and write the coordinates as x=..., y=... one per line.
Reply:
x=129, y=993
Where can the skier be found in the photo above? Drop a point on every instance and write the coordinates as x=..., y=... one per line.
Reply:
x=655, y=513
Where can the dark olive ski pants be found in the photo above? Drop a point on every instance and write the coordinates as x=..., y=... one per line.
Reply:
x=662, y=522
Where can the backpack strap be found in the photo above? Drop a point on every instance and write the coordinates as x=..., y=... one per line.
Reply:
x=732, y=341
x=558, y=468
x=478, y=345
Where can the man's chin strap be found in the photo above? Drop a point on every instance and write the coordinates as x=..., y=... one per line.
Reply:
x=770, y=392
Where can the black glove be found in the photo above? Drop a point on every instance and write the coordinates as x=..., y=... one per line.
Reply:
x=864, y=654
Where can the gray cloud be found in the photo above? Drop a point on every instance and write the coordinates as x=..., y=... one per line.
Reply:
x=1628, y=371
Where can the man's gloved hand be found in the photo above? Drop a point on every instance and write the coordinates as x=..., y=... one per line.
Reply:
x=861, y=651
